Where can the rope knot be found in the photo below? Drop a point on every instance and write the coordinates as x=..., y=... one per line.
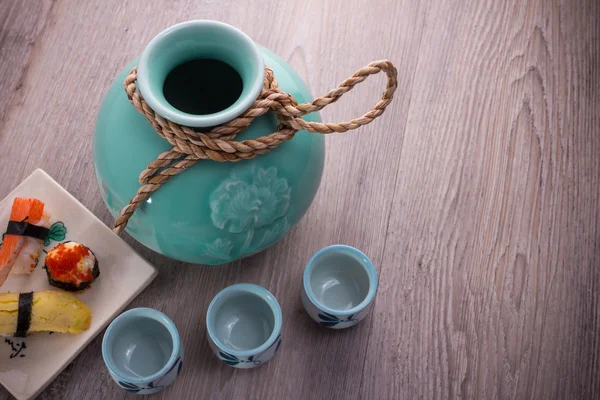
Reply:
x=219, y=144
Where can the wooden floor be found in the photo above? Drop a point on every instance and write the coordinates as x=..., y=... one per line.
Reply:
x=476, y=194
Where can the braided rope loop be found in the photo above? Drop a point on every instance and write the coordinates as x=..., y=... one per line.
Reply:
x=219, y=144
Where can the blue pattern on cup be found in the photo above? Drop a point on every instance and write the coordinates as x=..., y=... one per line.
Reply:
x=330, y=320
x=157, y=384
x=254, y=359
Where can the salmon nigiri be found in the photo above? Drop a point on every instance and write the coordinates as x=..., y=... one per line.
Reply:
x=24, y=238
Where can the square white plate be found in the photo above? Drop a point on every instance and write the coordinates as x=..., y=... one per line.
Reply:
x=123, y=275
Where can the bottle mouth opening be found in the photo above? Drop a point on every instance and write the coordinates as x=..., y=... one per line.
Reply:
x=191, y=42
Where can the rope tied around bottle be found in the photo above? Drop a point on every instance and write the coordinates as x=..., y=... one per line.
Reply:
x=219, y=144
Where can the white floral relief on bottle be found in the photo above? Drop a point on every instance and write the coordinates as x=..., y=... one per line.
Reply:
x=251, y=204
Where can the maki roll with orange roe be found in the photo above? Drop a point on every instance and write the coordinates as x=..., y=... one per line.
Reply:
x=71, y=266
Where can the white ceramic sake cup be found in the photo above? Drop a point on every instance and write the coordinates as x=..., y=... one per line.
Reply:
x=339, y=285
x=244, y=325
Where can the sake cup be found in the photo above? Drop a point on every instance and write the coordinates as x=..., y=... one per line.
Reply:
x=339, y=285
x=142, y=351
x=244, y=325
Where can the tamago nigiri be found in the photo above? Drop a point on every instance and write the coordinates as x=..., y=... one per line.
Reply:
x=24, y=238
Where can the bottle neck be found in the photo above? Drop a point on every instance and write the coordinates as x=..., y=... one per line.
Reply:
x=197, y=40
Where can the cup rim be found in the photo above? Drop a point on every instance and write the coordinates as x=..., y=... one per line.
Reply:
x=364, y=261
x=206, y=120
x=147, y=313
x=265, y=295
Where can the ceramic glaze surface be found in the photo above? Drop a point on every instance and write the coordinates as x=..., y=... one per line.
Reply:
x=142, y=351
x=193, y=40
x=213, y=212
x=141, y=347
x=339, y=285
x=339, y=281
x=244, y=325
x=243, y=322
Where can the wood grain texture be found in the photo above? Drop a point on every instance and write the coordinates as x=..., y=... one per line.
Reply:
x=476, y=194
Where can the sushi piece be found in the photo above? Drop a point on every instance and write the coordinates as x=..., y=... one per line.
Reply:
x=24, y=238
x=48, y=311
x=28, y=257
x=71, y=266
